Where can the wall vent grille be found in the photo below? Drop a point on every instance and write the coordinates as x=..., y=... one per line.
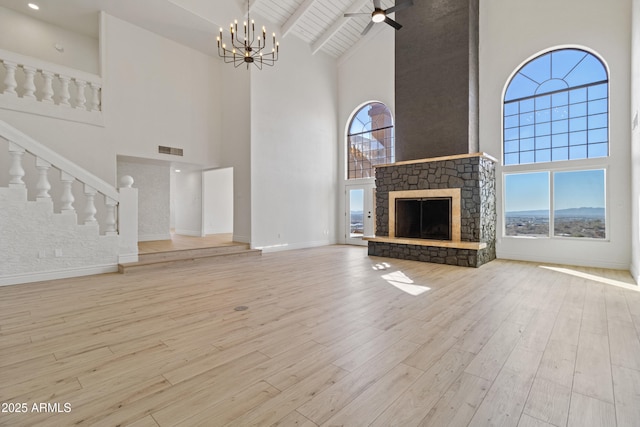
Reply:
x=170, y=150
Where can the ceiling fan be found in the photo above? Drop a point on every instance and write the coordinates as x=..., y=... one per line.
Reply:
x=380, y=15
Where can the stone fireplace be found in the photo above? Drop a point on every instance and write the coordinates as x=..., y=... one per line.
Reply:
x=438, y=210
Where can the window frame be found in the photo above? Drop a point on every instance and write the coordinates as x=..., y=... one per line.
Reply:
x=348, y=145
x=551, y=167
x=535, y=96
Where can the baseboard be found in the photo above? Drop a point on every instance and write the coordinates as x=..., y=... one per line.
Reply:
x=194, y=233
x=153, y=237
x=15, y=279
x=563, y=261
x=292, y=246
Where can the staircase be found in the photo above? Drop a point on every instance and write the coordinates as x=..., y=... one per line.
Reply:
x=42, y=236
x=184, y=257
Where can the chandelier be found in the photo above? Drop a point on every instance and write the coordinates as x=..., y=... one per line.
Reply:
x=246, y=48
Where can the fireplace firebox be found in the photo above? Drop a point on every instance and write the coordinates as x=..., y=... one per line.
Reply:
x=424, y=218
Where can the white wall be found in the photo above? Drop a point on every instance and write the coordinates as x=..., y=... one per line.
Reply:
x=236, y=147
x=512, y=32
x=366, y=73
x=160, y=93
x=188, y=203
x=635, y=142
x=294, y=149
x=217, y=194
x=28, y=36
x=153, y=182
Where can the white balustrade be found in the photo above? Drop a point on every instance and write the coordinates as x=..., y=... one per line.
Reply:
x=29, y=82
x=110, y=220
x=48, y=83
x=47, y=90
x=10, y=82
x=81, y=99
x=43, y=186
x=16, y=171
x=67, y=198
x=90, y=210
x=95, y=97
x=65, y=96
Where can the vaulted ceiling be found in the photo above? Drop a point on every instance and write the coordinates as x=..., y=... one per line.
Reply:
x=320, y=23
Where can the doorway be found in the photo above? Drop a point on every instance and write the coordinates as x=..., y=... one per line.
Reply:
x=359, y=213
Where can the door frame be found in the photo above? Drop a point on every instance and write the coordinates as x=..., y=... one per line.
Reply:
x=368, y=218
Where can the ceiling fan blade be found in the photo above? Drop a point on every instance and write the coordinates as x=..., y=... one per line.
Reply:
x=393, y=23
x=377, y=4
x=399, y=6
x=367, y=28
x=351, y=15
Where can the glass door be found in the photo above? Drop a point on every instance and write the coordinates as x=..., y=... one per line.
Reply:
x=359, y=213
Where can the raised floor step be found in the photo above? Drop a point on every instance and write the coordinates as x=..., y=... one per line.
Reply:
x=177, y=257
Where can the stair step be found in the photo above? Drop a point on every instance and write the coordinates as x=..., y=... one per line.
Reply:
x=172, y=258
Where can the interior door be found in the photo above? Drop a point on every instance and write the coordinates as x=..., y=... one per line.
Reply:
x=360, y=217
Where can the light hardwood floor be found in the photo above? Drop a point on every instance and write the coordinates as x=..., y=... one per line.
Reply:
x=329, y=337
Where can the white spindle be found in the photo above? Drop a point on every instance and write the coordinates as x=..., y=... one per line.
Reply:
x=43, y=186
x=81, y=99
x=10, y=78
x=64, y=91
x=90, y=210
x=67, y=198
x=95, y=97
x=110, y=220
x=16, y=172
x=29, y=82
x=47, y=90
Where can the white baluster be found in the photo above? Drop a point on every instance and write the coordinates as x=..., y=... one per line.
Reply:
x=81, y=99
x=29, y=82
x=90, y=210
x=43, y=186
x=47, y=90
x=10, y=78
x=110, y=220
x=16, y=172
x=95, y=97
x=64, y=91
x=67, y=198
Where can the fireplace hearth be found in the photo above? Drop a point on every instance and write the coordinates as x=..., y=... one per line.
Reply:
x=438, y=210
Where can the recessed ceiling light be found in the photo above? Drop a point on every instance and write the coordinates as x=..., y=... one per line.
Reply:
x=34, y=6
x=178, y=170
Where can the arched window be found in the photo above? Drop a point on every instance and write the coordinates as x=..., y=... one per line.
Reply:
x=369, y=140
x=556, y=108
x=556, y=115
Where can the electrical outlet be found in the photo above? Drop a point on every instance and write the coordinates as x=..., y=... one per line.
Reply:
x=42, y=253
x=58, y=252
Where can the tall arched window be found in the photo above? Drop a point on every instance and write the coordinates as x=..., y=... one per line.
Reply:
x=369, y=140
x=555, y=117
x=556, y=108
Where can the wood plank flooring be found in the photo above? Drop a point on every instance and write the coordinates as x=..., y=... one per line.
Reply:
x=330, y=337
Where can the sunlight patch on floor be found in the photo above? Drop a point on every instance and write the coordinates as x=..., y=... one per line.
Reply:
x=594, y=277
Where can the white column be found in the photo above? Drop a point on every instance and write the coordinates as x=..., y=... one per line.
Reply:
x=81, y=99
x=90, y=210
x=64, y=91
x=10, y=78
x=47, y=90
x=16, y=172
x=110, y=220
x=95, y=97
x=128, y=221
x=43, y=186
x=67, y=198
x=29, y=82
